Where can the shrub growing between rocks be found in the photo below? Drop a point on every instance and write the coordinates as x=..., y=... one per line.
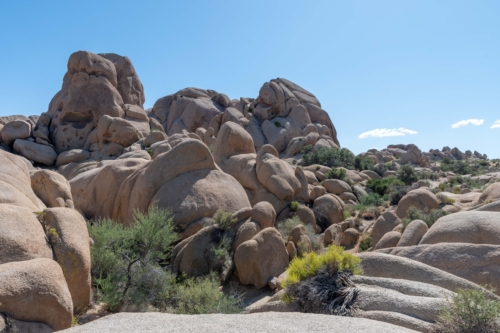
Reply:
x=334, y=259
x=366, y=242
x=371, y=200
x=224, y=220
x=331, y=157
x=294, y=205
x=469, y=311
x=286, y=226
x=382, y=186
x=127, y=261
x=321, y=283
x=202, y=296
x=336, y=173
x=130, y=269
x=407, y=174
x=428, y=217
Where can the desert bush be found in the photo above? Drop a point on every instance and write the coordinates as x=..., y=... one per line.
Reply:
x=469, y=311
x=429, y=217
x=445, y=200
x=130, y=268
x=371, y=200
x=407, y=174
x=380, y=169
x=286, y=226
x=396, y=193
x=202, y=296
x=331, y=157
x=327, y=292
x=382, y=186
x=361, y=163
x=224, y=220
x=127, y=262
x=336, y=173
x=427, y=175
x=470, y=182
x=294, y=205
x=366, y=242
x=334, y=259
x=459, y=167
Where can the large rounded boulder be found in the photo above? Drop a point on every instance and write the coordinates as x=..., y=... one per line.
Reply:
x=465, y=227
x=421, y=198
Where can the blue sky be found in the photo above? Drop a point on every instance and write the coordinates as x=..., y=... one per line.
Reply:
x=419, y=66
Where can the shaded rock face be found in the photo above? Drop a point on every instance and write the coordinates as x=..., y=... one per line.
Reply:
x=93, y=86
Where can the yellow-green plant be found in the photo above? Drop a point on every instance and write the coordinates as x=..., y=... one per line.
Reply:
x=334, y=259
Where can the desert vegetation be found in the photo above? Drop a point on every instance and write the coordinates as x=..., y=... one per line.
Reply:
x=131, y=268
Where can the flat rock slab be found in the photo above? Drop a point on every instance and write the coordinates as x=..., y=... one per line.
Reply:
x=218, y=323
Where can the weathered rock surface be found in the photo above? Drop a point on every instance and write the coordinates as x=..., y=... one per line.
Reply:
x=388, y=266
x=465, y=227
x=22, y=237
x=253, y=261
x=52, y=188
x=413, y=233
x=35, y=290
x=69, y=239
x=385, y=223
x=216, y=323
x=421, y=198
x=390, y=239
x=491, y=193
x=473, y=262
x=36, y=152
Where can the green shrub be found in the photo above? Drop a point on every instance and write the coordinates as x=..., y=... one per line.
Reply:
x=396, y=193
x=294, y=205
x=445, y=200
x=361, y=163
x=428, y=217
x=427, y=175
x=224, y=220
x=371, y=200
x=277, y=124
x=366, y=242
x=286, y=226
x=126, y=262
x=407, y=174
x=459, y=167
x=380, y=169
x=331, y=157
x=457, y=190
x=333, y=259
x=382, y=186
x=202, y=296
x=346, y=214
x=336, y=173
x=130, y=268
x=469, y=311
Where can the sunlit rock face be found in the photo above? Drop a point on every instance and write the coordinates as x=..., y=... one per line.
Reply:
x=94, y=86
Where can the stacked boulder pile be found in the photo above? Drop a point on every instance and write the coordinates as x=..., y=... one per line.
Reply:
x=96, y=153
x=411, y=154
x=44, y=249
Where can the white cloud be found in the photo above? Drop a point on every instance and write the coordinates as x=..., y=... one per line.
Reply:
x=383, y=132
x=462, y=123
x=496, y=124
